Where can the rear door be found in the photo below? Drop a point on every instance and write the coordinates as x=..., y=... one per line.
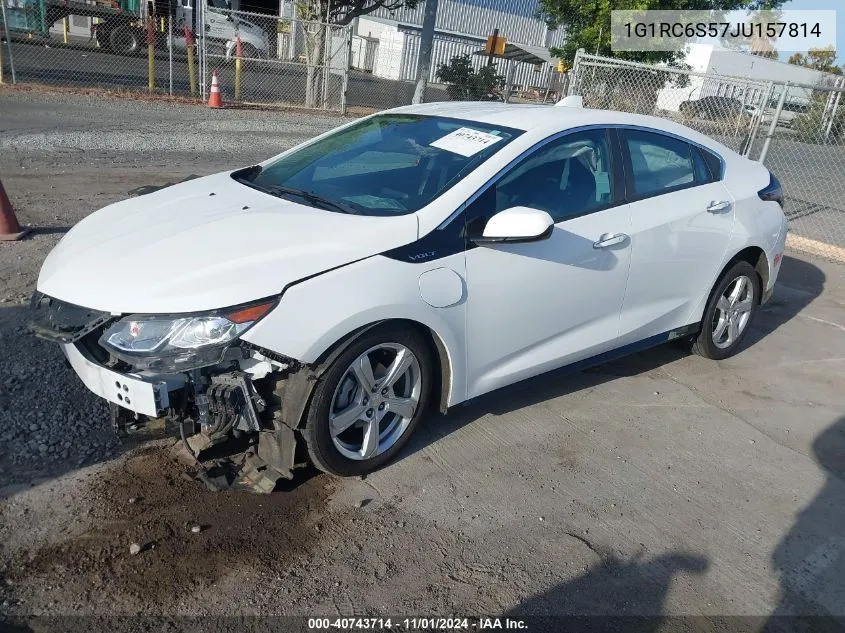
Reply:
x=681, y=222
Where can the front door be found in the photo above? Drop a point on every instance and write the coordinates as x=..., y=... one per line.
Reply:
x=538, y=305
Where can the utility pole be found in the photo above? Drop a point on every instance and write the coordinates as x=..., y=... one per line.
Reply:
x=426, y=44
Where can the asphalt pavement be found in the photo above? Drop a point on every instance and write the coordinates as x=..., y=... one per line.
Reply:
x=663, y=484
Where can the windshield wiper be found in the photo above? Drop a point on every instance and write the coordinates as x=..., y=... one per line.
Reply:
x=314, y=198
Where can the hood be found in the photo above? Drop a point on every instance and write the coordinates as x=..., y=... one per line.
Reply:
x=204, y=244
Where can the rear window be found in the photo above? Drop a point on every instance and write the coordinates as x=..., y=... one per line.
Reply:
x=659, y=162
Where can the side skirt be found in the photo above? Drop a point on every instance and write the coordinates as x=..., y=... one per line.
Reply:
x=614, y=354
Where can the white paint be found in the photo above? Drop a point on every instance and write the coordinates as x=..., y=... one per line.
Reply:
x=441, y=287
x=518, y=222
x=503, y=311
x=466, y=141
x=129, y=392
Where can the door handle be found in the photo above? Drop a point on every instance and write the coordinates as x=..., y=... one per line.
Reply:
x=610, y=239
x=718, y=205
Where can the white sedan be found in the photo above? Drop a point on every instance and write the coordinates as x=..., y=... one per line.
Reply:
x=319, y=303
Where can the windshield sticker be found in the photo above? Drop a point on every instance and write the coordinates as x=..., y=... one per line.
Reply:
x=466, y=141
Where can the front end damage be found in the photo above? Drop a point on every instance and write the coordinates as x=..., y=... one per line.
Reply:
x=235, y=411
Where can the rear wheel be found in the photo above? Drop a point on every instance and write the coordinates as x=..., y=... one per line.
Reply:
x=727, y=317
x=124, y=40
x=368, y=403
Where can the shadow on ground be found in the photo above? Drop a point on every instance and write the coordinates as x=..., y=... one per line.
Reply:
x=799, y=283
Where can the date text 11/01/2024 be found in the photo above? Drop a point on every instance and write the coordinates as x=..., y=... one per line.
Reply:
x=416, y=624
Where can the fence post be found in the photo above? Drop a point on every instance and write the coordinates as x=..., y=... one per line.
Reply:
x=773, y=125
x=573, y=74
x=327, y=62
x=192, y=71
x=151, y=69
x=238, y=63
x=203, y=61
x=767, y=96
x=345, y=80
x=833, y=110
x=169, y=53
x=8, y=40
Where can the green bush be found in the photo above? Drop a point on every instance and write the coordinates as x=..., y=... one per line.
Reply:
x=464, y=83
x=812, y=125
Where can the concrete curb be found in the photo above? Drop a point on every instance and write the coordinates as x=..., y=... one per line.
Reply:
x=814, y=247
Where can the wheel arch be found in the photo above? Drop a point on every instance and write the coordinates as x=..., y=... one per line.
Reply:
x=299, y=386
x=754, y=255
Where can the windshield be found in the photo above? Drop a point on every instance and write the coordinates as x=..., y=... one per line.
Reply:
x=389, y=164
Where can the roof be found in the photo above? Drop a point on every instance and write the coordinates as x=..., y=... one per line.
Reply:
x=549, y=118
x=524, y=53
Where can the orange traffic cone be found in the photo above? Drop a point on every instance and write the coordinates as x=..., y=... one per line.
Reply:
x=214, y=99
x=10, y=230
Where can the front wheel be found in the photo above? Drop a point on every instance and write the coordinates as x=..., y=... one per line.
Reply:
x=368, y=402
x=729, y=312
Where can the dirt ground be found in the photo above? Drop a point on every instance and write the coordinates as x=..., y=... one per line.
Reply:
x=662, y=484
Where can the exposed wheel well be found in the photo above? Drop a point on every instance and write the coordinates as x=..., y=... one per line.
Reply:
x=755, y=256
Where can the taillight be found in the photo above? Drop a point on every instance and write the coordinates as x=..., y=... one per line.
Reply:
x=773, y=192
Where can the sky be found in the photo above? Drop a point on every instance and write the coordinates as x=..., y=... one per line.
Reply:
x=838, y=5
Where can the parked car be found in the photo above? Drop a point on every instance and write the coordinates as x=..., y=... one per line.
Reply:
x=322, y=301
x=712, y=108
x=753, y=111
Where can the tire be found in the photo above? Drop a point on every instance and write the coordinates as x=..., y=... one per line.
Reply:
x=124, y=40
x=250, y=52
x=726, y=320
x=340, y=395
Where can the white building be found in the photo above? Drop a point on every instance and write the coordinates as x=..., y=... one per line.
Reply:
x=714, y=60
x=462, y=27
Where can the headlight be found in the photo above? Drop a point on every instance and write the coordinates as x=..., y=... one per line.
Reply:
x=180, y=343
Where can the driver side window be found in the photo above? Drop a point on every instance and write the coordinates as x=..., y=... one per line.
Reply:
x=568, y=177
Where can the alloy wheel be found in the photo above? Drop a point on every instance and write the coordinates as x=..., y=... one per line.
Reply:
x=733, y=312
x=375, y=401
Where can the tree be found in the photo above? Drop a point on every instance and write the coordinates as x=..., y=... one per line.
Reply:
x=823, y=59
x=464, y=83
x=587, y=22
x=315, y=14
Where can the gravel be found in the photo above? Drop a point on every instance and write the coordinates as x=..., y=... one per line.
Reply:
x=724, y=495
x=83, y=154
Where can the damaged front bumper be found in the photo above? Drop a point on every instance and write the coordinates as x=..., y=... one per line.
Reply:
x=229, y=416
x=150, y=397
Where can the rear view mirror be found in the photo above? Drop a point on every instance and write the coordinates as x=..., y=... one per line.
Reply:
x=517, y=224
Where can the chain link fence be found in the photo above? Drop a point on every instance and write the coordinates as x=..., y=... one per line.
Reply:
x=173, y=47
x=123, y=45
x=267, y=60
x=797, y=131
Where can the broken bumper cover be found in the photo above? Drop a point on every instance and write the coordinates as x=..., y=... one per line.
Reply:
x=145, y=396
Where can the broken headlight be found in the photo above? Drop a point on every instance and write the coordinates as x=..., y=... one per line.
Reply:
x=179, y=343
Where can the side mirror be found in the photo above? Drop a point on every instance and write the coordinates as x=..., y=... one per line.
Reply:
x=517, y=224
